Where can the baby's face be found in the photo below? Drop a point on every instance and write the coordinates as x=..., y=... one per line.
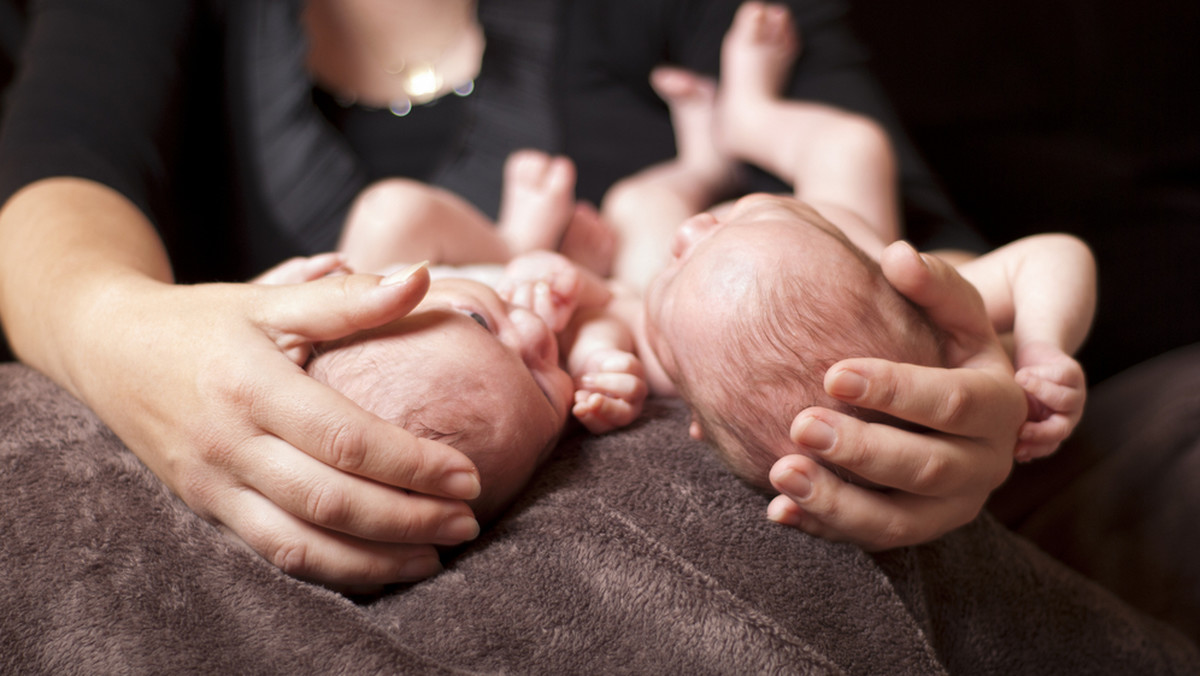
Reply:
x=720, y=264
x=474, y=369
x=510, y=342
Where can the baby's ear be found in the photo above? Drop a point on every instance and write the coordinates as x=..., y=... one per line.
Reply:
x=695, y=431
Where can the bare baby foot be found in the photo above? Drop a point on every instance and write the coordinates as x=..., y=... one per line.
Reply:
x=692, y=99
x=757, y=55
x=538, y=200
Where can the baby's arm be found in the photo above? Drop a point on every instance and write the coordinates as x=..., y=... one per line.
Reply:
x=1043, y=289
x=397, y=219
x=598, y=343
x=552, y=286
x=610, y=381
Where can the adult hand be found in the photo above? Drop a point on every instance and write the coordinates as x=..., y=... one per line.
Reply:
x=932, y=481
x=205, y=385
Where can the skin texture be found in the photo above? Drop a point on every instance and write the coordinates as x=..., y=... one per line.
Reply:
x=227, y=418
x=467, y=368
x=940, y=479
x=932, y=481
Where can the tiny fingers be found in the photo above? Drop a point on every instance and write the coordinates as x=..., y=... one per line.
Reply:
x=1053, y=394
x=1038, y=439
x=602, y=414
x=617, y=385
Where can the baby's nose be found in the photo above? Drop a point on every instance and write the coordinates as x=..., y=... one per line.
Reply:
x=691, y=232
x=538, y=344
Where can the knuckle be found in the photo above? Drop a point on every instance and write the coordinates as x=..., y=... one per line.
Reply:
x=823, y=506
x=955, y=406
x=326, y=505
x=853, y=449
x=292, y=557
x=883, y=394
x=344, y=447
x=416, y=467
x=416, y=525
x=933, y=473
x=893, y=533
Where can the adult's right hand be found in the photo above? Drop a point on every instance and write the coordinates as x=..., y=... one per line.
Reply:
x=205, y=385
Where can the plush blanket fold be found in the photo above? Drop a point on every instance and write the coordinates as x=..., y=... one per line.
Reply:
x=631, y=553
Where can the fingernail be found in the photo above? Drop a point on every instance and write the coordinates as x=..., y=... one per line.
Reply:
x=462, y=484
x=420, y=568
x=846, y=385
x=795, y=484
x=458, y=529
x=776, y=512
x=817, y=435
x=402, y=276
x=911, y=251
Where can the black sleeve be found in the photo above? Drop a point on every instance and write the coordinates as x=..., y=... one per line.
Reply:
x=616, y=125
x=93, y=95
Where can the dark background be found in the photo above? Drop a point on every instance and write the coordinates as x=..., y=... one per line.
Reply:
x=1045, y=115
x=1065, y=115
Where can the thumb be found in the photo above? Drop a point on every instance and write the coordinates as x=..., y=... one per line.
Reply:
x=950, y=301
x=335, y=307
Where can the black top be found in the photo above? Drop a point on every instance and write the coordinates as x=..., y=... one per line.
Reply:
x=239, y=168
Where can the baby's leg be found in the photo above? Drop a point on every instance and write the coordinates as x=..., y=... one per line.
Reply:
x=692, y=100
x=589, y=240
x=757, y=54
x=646, y=208
x=538, y=212
x=830, y=156
x=538, y=201
x=399, y=220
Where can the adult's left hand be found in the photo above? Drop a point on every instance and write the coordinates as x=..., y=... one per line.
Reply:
x=929, y=481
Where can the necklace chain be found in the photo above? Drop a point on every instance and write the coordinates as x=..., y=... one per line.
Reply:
x=420, y=81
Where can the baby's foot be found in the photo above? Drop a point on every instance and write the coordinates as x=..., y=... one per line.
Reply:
x=759, y=51
x=589, y=240
x=538, y=200
x=691, y=99
x=757, y=55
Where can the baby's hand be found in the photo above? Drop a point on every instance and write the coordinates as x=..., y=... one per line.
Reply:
x=544, y=283
x=1056, y=388
x=611, y=390
x=303, y=269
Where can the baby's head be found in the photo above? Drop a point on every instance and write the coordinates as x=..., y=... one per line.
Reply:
x=469, y=370
x=752, y=311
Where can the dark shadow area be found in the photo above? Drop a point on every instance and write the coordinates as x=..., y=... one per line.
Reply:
x=1065, y=115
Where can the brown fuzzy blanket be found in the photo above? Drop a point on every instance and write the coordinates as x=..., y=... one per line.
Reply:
x=631, y=553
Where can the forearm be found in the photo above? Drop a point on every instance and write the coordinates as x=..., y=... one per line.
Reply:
x=67, y=246
x=1056, y=299
x=592, y=332
x=1041, y=288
